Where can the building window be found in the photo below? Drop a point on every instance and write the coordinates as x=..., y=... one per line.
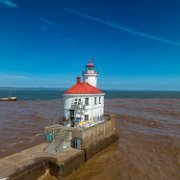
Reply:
x=95, y=100
x=87, y=101
x=99, y=100
x=77, y=101
x=86, y=117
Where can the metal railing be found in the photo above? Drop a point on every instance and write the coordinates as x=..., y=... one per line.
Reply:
x=86, y=72
x=78, y=106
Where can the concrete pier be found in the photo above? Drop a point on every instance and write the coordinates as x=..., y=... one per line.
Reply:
x=32, y=163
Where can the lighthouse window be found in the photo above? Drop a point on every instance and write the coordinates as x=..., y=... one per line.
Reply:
x=87, y=101
x=99, y=100
x=95, y=100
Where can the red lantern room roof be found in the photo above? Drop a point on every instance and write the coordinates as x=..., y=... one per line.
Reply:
x=90, y=64
x=82, y=88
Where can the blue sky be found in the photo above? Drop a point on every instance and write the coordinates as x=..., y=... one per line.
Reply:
x=46, y=43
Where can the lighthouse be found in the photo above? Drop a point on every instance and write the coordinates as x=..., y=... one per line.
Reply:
x=90, y=74
x=84, y=102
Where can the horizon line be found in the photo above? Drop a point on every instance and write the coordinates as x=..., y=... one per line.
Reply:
x=105, y=89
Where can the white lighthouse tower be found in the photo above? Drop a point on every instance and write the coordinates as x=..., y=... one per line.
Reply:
x=90, y=74
x=84, y=102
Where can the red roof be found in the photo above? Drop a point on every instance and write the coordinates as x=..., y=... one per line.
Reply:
x=83, y=88
x=90, y=65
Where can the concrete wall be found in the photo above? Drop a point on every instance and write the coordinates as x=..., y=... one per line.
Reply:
x=60, y=138
x=94, y=134
x=90, y=139
x=95, y=148
x=34, y=162
x=61, y=170
x=96, y=138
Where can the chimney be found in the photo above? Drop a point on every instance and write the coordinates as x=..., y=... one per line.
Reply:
x=78, y=80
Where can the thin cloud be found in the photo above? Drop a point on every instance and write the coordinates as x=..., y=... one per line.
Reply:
x=46, y=21
x=12, y=76
x=69, y=39
x=45, y=28
x=8, y=3
x=46, y=24
x=123, y=28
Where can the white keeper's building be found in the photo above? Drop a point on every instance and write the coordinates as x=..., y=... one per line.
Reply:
x=84, y=102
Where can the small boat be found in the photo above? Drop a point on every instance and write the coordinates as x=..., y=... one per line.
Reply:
x=8, y=99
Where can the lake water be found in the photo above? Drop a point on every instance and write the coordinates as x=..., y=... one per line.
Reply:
x=149, y=131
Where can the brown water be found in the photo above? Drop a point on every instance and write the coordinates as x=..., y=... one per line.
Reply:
x=148, y=147
x=22, y=123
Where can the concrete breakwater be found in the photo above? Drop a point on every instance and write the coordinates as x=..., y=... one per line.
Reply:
x=32, y=163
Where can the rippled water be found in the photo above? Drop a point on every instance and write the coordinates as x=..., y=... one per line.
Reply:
x=149, y=137
x=22, y=123
x=148, y=146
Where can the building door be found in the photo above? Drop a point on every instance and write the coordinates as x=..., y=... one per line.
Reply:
x=76, y=143
x=72, y=117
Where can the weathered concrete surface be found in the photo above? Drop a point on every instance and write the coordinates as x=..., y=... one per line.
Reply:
x=95, y=135
x=33, y=162
x=62, y=169
x=95, y=148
